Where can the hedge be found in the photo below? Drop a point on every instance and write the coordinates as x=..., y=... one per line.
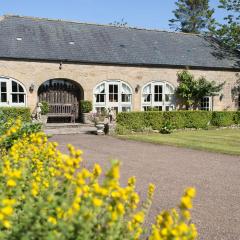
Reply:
x=138, y=121
x=7, y=113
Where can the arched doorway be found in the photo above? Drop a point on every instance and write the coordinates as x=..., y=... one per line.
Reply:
x=61, y=95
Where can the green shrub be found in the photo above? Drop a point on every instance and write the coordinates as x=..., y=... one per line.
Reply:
x=137, y=121
x=153, y=119
x=7, y=113
x=121, y=130
x=236, y=117
x=85, y=106
x=44, y=108
x=222, y=119
x=197, y=119
x=167, y=128
x=132, y=121
x=19, y=130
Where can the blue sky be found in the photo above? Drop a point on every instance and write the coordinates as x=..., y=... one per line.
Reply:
x=138, y=13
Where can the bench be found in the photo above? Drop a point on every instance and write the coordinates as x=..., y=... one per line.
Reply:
x=62, y=110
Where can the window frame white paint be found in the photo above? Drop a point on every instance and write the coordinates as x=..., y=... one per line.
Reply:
x=210, y=102
x=9, y=93
x=111, y=104
x=152, y=103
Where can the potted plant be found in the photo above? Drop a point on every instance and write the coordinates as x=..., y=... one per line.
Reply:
x=86, y=108
x=44, y=111
x=101, y=120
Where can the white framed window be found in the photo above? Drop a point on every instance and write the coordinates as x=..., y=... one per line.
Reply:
x=12, y=93
x=206, y=104
x=158, y=95
x=114, y=94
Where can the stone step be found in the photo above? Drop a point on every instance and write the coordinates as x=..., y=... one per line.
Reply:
x=66, y=125
x=70, y=130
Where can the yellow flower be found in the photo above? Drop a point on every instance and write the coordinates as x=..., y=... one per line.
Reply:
x=7, y=211
x=8, y=201
x=52, y=220
x=97, y=170
x=97, y=202
x=11, y=183
x=191, y=192
x=120, y=208
x=7, y=224
x=151, y=189
x=186, y=202
x=139, y=217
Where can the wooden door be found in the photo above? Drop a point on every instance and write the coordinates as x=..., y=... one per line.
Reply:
x=60, y=91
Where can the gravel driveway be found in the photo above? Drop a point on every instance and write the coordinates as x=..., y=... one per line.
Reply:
x=215, y=176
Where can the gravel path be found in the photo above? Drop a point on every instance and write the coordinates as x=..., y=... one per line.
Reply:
x=215, y=176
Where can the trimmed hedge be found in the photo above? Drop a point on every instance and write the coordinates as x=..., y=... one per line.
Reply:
x=138, y=121
x=7, y=113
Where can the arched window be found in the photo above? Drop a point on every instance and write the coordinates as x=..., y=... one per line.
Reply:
x=12, y=93
x=113, y=94
x=159, y=95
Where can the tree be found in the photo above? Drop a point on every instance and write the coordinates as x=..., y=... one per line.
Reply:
x=191, y=91
x=192, y=16
x=228, y=33
x=121, y=23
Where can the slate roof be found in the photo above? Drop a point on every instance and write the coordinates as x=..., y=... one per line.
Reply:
x=44, y=39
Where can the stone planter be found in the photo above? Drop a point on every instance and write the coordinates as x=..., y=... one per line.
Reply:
x=44, y=119
x=86, y=118
x=100, y=128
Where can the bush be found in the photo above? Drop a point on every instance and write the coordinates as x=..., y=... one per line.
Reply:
x=8, y=113
x=44, y=108
x=167, y=128
x=121, y=130
x=49, y=195
x=222, y=119
x=237, y=117
x=132, y=121
x=197, y=119
x=137, y=121
x=18, y=130
x=85, y=106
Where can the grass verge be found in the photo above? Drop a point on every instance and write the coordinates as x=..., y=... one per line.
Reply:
x=225, y=141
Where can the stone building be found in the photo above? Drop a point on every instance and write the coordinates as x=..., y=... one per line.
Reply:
x=127, y=69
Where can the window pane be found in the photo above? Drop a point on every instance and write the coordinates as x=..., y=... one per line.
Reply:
x=21, y=98
x=126, y=109
x=20, y=88
x=14, y=87
x=126, y=98
x=15, y=98
x=3, y=97
x=100, y=98
x=115, y=88
x=147, y=97
x=110, y=88
x=115, y=97
x=3, y=87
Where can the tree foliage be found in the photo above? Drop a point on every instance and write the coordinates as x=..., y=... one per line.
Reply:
x=228, y=33
x=192, y=90
x=121, y=23
x=192, y=16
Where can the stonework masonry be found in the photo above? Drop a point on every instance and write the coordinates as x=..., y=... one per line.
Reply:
x=88, y=76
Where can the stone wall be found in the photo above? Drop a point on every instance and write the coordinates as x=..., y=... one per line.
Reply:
x=88, y=76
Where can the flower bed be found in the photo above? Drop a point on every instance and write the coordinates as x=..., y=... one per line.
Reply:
x=46, y=194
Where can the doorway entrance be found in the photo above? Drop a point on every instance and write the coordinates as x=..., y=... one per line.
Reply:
x=63, y=97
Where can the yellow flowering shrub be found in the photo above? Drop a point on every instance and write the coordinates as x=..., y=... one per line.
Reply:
x=46, y=194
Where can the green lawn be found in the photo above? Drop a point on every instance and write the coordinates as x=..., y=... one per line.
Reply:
x=222, y=140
